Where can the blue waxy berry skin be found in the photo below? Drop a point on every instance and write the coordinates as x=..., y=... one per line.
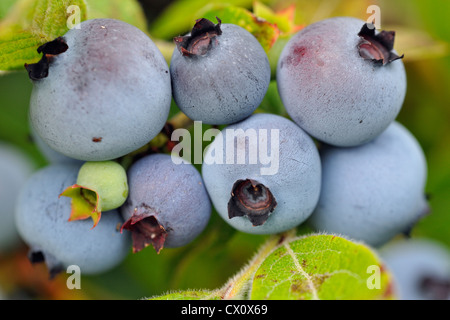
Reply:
x=420, y=268
x=225, y=84
x=42, y=222
x=374, y=191
x=330, y=88
x=294, y=184
x=106, y=95
x=167, y=205
x=15, y=169
x=48, y=153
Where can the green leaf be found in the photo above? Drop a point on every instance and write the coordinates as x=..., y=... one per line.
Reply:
x=18, y=49
x=266, y=33
x=321, y=267
x=31, y=23
x=308, y=11
x=284, y=19
x=28, y=25
x=179, y=17
x=129, y=11
x=189, y=295
x=5, y=5
x=417, y=44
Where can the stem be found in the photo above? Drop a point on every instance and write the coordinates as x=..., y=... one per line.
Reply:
x=237, y=286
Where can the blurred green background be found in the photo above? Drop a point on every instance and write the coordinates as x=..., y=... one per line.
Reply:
x=423, y=35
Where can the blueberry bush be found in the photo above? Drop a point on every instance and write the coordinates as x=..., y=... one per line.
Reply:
x=115, y=159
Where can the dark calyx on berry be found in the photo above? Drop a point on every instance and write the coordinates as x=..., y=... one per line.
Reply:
x=145, y=229
x=201, y=38
x=377, y=47
x=435, y=288
x=38, y=71
x=251, y=199
x=54, y=267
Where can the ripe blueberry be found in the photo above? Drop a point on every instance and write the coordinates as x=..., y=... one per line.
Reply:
x=421, y=268
x=15, y=169
x=48, y=153
x=99, y=92
x=276, y=191
x=220, y=73
x=374, y=191
x=41, y=219
x=167, y=205
x=341, y=81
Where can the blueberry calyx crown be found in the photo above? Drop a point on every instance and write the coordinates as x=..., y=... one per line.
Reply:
x=39, y=70
x=85, y=203
x=377, y=47
x=251, y=199
x=437, y=288
x=38, y=256
x=145, y=229
x=200, y=40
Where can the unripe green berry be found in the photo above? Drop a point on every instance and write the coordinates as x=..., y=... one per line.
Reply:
x=101, y=186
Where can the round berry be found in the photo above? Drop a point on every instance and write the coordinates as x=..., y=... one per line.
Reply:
x=263, y=174
x=341, y=81
x=374, y=191
x=167, y=206
x=42, y=222
x=99, y=92
x=421, y=268
x=15, y=169
x=220, y=73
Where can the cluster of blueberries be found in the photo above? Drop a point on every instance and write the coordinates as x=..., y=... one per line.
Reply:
x=104, y=90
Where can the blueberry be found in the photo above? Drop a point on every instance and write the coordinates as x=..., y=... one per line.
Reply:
x=99, y=92
x=42, y=222
x=420, y=267
x=167, y=206
x=15, y=169
x=48, y=153
x=272, y=193
x=220, y=73
x=374, y=191
x=336, y=84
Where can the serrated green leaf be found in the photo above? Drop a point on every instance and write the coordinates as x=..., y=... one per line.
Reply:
x=321, y=267
x=31, y=23
x=267, y=33
x=18, y=49
x=28, y=25
x=189, y=295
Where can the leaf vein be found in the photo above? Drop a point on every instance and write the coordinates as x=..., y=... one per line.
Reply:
x=302, y=272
